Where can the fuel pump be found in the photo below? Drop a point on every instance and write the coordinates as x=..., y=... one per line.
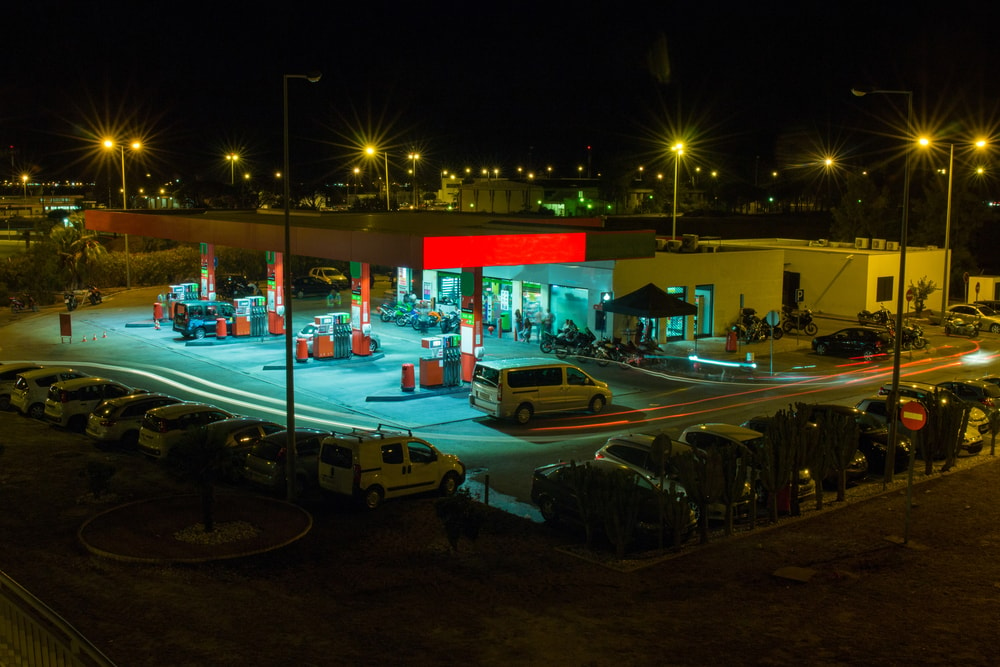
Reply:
x=323, y=347
x=241, y=320
x=342, y=334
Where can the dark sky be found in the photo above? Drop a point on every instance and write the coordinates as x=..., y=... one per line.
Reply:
x=479, y=84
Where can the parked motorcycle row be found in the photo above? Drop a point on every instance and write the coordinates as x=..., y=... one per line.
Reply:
x=751, y=329
x=420, y=319
x=912, y=334
x=23, y=302
x=584, y=346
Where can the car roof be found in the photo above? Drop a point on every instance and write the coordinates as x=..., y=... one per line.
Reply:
x=282, y=436
x=238, y=422
x=14, y=365
x=76, y=383
x=47, y=370
x=184, y=407
x=138, y=398
x=731, y=431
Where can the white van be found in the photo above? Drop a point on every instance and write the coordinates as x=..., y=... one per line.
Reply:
x=520, y=388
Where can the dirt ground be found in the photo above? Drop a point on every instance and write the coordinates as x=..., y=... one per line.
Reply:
x=385, y=588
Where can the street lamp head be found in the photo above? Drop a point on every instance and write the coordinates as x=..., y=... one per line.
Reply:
x=313, y=77
x=860, y=92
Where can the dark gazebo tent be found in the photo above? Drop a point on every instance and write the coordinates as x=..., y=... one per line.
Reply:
x=649, y=301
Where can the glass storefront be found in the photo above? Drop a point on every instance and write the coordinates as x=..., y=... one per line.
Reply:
x=569, y=303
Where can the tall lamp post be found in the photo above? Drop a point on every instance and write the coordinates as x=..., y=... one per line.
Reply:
x=286, y=266
x=414, y=157
x=232, y=157
x=892, y=414
x=947, y=230
x=24, y=185
x=678, y=150
x=893, y=398
x=135, y=145
x=373, y=152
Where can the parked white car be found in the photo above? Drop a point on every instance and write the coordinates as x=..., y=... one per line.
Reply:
x=31, y=388
x=70, y=402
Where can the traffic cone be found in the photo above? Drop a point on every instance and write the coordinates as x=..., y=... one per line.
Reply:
x=156, y=324
x=104, y=335
x=84, y=340
x=95, y=337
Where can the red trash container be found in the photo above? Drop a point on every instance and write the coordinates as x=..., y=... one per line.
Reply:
x=301, y=350
x=220, y=327
x=157, y=311
x=407, y=381
x=731, y=341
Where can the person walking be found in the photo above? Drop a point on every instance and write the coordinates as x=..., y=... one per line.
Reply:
x=518, y=325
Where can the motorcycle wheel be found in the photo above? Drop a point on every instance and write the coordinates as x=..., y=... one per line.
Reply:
x=562, y=352
x=545, y=346
x=811, y=329
x=777, y=333
x=402, y=321
x=919, y=343
x=787, y=326
x=601, y=357
x=386, y=317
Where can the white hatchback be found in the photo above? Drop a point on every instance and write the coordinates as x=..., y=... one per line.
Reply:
x=163, y=427
x=32, y=387
x=70, y=402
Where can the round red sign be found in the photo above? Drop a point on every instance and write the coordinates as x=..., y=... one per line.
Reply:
x=913, y=415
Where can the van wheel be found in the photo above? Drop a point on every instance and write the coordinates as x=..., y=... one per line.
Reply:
x=523, y=413
x=373, y=497
x=449, y=484
x=199, y=333
x=36, y=411
x=597, y=404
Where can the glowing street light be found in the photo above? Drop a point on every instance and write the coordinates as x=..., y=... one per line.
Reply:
x=135, y=145
x=24, y=184
x=286, y=266
x=371, y=151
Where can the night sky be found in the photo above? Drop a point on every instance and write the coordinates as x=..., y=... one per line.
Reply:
x=482, y=84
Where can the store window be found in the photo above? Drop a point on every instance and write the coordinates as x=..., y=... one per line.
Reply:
x=569, y=303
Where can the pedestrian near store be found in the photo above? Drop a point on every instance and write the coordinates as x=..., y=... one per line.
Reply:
x=518, y=325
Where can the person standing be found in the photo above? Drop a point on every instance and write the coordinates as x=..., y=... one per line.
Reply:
x=518, y=325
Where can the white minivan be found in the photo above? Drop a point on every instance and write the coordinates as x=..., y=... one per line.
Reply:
x=521, y=388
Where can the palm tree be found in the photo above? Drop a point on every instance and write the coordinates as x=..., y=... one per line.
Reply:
x=77, y=249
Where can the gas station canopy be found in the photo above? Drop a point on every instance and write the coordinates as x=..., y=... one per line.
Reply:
x=418, y=240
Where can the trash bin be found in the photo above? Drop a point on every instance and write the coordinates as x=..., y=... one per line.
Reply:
x=220, y=328
x=157, y=311
x=731, y=341
x=301, y=350
x=407, y=382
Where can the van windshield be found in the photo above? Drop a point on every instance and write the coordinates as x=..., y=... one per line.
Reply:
x=486, y=375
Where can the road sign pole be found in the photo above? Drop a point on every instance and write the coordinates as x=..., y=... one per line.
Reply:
x=914, y=417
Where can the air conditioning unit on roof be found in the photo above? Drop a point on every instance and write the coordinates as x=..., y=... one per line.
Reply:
x=878, y=244
x=892, y=245
x=861, y=243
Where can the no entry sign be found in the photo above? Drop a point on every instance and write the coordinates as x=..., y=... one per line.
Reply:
x=913, y=415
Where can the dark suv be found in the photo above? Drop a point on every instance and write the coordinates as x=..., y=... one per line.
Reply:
x=853, y=342
x=981, y=393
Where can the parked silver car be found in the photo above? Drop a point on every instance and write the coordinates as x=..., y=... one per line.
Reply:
x=265, y=464
x=118, y=420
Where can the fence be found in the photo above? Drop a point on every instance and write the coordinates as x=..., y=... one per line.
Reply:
x=33, y=635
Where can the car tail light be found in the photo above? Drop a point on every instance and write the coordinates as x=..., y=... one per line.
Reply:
x=599, y=456
x=161, y=425
x=280, y=455
x=988, y=402
x=108, y=422
x=64, y=396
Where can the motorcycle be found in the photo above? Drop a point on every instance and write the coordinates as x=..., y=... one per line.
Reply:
x=582, y=346
x=69, y=298
x=752, y=329
x=913, y=337
x=405, y=318
x=423, y=321
x=961, y=327
x=565, y=338
x=880, y=318
x=387, y=313
x=16, y=305
x=94, y=295
x=451, y=322
x=800, y=320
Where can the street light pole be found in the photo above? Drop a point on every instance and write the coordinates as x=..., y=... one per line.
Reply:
x=286, y=266
x=678, y=151
x=947, y=237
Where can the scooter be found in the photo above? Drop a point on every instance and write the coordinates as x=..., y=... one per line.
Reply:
x=16, y=305
x=94, y=295
x=69, y=298
x=961, y=327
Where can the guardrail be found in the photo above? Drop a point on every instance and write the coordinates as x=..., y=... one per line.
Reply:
x=33, y=634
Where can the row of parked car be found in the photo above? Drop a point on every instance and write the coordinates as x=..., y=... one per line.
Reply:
x=636, y=456
x=370, y=465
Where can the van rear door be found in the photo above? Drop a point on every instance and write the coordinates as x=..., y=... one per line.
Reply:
x=336, y=468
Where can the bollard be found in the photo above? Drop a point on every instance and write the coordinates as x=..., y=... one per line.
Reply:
x=407, y=382
x=301, y=350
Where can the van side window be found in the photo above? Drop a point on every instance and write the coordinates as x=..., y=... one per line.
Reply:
x=549, y=377
x=392, y=453
x=576, y=377
x=420, y=453
x=517, y=379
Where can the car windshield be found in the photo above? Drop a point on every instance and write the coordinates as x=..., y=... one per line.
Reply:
x=991, y=390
